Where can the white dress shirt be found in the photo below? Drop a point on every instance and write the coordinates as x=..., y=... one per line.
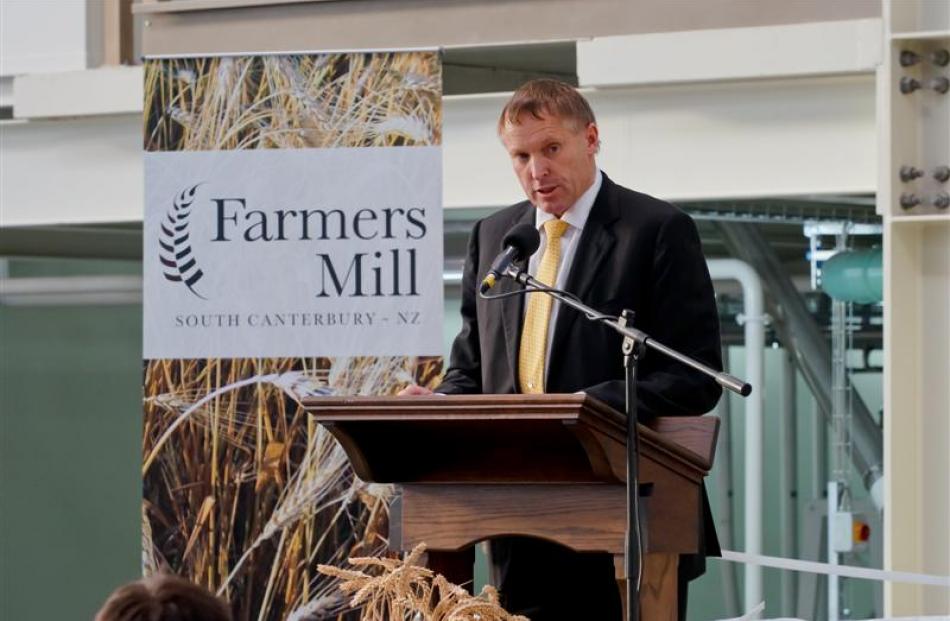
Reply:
x=576, y=217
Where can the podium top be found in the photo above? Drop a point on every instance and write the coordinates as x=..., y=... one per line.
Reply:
x=554, y=438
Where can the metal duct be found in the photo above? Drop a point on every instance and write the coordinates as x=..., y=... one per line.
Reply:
x=854, y=276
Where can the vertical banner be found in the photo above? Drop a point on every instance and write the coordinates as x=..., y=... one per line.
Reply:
x=293, y=248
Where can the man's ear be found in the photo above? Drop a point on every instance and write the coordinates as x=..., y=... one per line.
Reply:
x=592, y=137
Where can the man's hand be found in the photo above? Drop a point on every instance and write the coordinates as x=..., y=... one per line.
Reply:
x=412, y=390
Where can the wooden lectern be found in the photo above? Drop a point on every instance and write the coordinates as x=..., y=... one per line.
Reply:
x=473, y=467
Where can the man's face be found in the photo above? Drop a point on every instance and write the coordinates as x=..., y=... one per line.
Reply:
x=554, y=161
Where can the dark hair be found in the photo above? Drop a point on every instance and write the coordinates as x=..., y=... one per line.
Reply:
x=547, y=97
x=163, y=597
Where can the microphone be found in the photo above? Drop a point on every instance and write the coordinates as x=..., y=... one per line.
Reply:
x=521, y=241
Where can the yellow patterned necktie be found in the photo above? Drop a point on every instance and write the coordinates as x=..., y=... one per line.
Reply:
x=534, y=334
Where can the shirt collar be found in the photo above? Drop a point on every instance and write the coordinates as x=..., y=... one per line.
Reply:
x=577, y=214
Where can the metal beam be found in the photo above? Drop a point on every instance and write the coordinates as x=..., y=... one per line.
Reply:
x=72, y=242
x=71, y=291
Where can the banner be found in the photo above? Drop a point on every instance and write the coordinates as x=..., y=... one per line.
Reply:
x=292, y=248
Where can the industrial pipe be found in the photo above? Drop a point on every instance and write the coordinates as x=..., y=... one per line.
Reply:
x=801, y=335
x=724, y=488
x=753, y=319
x=854, y=276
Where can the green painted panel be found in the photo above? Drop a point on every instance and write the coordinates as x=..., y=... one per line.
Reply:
x=70, y=431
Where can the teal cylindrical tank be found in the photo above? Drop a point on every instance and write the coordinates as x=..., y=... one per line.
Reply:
x=854, y=276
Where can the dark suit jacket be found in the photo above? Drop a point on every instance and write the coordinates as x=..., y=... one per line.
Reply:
x=635, y=252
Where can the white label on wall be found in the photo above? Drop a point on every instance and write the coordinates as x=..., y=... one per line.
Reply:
x=290, y=253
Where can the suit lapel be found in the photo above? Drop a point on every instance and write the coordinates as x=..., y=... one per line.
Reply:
x=512, y=311
x=593, y=248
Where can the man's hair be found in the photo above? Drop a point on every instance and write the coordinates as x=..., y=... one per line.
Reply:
x=163, y=597
x=547, y=97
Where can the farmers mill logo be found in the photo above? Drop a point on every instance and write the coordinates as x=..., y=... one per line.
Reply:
x=321, y=238
x=178, y=261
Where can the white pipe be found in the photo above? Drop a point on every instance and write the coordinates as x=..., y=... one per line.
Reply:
x=723, y=478
x=754, y=326
x=831, y=524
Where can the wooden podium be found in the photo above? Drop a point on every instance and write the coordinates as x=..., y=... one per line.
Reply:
x=474, y=467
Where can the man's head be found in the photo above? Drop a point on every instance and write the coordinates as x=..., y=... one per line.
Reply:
x=550, y=134
x=163, y=597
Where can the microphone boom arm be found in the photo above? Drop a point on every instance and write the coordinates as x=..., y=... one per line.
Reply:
x=639, y=337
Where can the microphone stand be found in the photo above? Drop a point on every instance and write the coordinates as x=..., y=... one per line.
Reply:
x=635, y=345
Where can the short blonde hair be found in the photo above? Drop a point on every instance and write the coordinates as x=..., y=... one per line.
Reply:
x=163, y=597
x=549, y=97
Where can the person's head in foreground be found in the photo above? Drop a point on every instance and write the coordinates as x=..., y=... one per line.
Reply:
x=551, y=135
x=163, y=597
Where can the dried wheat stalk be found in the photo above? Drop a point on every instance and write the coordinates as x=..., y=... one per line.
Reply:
x=293, y=101
x=246, y=493
x=394, y=590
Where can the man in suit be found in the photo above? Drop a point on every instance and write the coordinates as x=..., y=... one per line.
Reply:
x=615, y=249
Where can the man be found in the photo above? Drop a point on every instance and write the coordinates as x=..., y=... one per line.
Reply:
x=615, y=249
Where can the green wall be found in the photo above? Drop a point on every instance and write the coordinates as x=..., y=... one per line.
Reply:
x=70, y=431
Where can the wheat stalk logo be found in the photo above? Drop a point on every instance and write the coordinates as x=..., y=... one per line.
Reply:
x=175, y=255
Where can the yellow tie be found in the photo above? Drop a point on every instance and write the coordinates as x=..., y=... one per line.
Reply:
x=534, y=334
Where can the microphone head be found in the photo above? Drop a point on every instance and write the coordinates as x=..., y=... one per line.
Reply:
x=524, y=238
